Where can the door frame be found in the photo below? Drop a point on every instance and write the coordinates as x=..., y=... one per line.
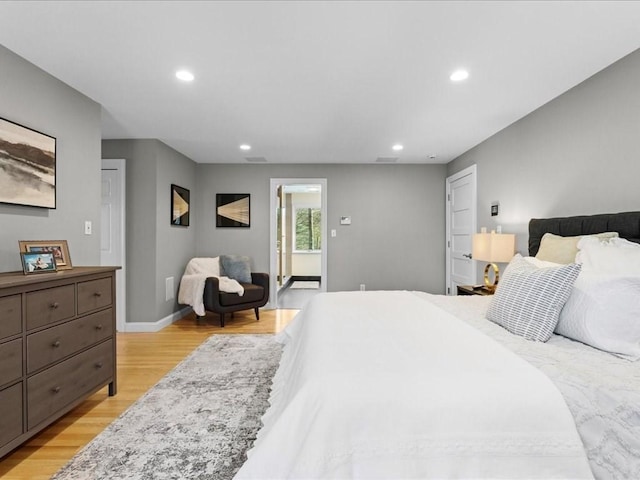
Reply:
x=119, y=165
x=273, y=230
x=472, y=170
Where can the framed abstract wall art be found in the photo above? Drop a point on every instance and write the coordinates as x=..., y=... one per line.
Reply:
x=179, y=206
x=28, y=166
x=233, y=210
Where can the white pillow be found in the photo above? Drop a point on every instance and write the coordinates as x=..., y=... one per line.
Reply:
x=542, y=263
x=604, y=308
x=528, y=299
x=604, y=312
x=616, y=256
x=557, y=249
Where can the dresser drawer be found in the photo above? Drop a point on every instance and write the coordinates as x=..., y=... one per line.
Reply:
x=50, y=305
x=52, y=344
x=10, y=361
x=11, y=418
x=51, y=390
x=94, y=294
x=10, y=315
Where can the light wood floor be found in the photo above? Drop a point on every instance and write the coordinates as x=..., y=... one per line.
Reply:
x=143, y=359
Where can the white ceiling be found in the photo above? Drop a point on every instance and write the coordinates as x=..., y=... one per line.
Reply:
x=319, y=82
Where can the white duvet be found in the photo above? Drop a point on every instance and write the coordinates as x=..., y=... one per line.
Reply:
x=386, y=385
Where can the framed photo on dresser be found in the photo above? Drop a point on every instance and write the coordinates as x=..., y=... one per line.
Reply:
x=37, y=263
x=58, y=248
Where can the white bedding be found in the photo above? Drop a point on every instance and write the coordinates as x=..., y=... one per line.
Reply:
x=601, y=390
x=389, y=385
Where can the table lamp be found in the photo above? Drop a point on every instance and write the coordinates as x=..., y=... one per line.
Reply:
x=493, y=248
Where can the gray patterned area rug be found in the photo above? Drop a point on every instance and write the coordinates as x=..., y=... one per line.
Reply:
x=197, y=422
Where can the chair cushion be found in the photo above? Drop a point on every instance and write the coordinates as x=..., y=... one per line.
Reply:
x=252, y=293
x=236, y=267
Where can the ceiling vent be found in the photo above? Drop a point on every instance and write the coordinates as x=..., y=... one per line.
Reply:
x=255, y=159
x=386, y=159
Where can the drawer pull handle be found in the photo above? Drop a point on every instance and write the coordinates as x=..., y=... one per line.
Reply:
x=54, y=305
x=56, y=344
x=99, y=327
x=98, y=294
x=55, y=390
x=99, y=365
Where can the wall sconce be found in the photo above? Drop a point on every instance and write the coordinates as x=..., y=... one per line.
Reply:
x=493, y=248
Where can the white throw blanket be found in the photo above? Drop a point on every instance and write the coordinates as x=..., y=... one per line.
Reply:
x=192, y=283
x=381, y=385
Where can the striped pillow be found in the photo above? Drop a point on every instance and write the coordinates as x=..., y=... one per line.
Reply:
x=529, y=299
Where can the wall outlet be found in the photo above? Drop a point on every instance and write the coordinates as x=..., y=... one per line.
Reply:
x=362, y=287
x=168, y=287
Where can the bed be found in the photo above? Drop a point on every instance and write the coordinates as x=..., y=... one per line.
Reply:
x=443, y=392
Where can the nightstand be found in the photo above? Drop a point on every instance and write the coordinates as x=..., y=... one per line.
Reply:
x=471, y=290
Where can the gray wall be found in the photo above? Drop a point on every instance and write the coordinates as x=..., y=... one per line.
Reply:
x=37, y=100
x=396, y=240
x=155, y=248
x=578, y=154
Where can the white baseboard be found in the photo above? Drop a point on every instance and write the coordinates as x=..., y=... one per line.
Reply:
x=159, y=325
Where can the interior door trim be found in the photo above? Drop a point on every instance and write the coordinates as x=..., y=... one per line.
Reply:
x=273, y=255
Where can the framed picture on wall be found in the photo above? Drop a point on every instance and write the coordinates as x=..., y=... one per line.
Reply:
x=179, y=206
x=37, y=262
x=28, y=160
x=58, y=248
x=233, y=210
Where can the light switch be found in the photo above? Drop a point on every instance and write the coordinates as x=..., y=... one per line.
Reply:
x=334, y=233
x=87, y=227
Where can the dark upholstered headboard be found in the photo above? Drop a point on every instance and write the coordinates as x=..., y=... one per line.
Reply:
x=627, y=225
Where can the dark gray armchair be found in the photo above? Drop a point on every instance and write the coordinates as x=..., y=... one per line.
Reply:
x=256, y=295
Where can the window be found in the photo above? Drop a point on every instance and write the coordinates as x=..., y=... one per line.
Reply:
x=307, y=231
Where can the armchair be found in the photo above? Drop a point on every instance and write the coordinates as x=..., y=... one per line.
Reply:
x=223, y=284
x=256, y=295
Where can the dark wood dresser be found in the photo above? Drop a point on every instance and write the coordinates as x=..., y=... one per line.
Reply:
x=474, y=290
x=57, y=346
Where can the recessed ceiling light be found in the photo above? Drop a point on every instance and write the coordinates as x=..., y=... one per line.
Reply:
x=245, y=147
x=185, y=75
x=397, y=147
x=459, y=75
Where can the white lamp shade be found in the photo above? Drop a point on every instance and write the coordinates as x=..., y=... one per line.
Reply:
x=494, y=247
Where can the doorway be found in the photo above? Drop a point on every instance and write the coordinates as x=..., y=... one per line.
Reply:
x=461, y=222
x=112, y=231
x=298, y=233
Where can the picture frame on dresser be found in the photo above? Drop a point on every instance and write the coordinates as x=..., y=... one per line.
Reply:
x=59, y=249
x=38, y=262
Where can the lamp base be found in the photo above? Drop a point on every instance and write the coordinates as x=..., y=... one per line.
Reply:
x=496, y=276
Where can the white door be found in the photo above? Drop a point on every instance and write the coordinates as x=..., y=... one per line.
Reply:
x=112, y=240
x=461, y=225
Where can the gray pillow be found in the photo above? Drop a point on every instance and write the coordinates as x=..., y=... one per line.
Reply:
x=529, y=299
x=237, y=267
